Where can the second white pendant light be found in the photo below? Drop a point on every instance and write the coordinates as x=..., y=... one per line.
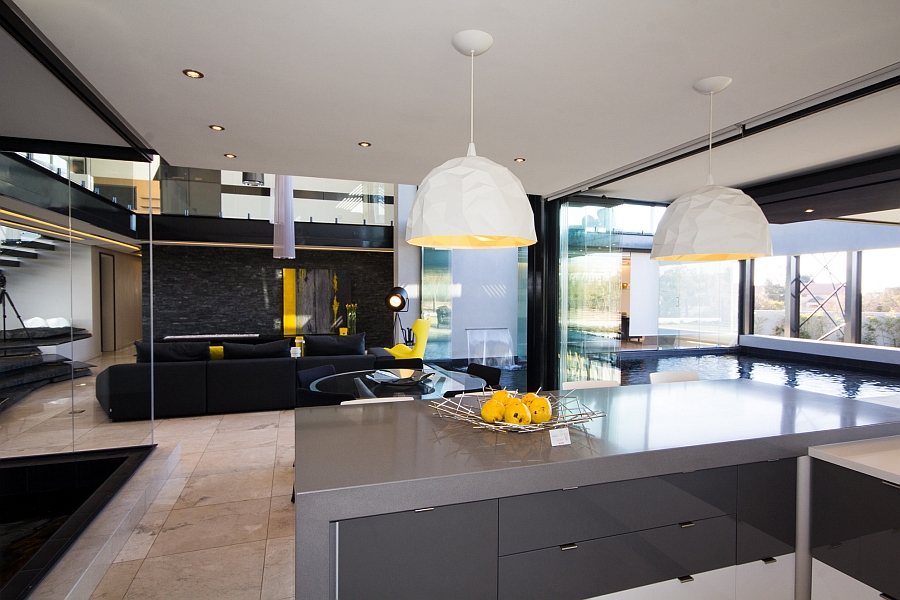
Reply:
x=471, y=202
x=713, y=222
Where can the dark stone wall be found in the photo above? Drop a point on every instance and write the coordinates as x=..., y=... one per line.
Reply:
x=200, y=289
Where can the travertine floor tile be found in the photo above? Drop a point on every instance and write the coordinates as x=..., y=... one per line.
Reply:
x=284, y=456
x=249, y=421
x=117, y=580
x=278, y=575
x=286, y=419
x=204, y=527
x=283, y=481
x=281, y=517
x=219, y=488
x=188, y=425
x=233, y=572
x=232, y=440
x=167, y=497
x=286, y=436
x=41, y=439
x=185, y=466
x=190, y=444
x=142, y=538
x=244, y=459
x=213, y=545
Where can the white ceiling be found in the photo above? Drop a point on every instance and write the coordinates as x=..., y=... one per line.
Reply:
x=866, y=127
x=887, y=217
x=578, y=88
x=35, y=104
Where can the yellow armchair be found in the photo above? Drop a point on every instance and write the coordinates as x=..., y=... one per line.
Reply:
x=420, y=329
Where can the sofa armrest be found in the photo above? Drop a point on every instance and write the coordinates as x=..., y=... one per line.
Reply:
x=124, y=390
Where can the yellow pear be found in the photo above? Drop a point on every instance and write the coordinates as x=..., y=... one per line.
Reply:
x=492, y=411
x=541, y=411
x=504, y=397
x=517, y=414
x=528, y=398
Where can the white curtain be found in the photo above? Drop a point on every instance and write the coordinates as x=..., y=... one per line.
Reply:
x=283, y=217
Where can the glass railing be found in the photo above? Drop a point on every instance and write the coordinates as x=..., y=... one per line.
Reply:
x=189, y=191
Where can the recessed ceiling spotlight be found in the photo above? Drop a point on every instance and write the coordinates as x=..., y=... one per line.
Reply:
x=231, y=156
x=809, y=210
x=193, y=73
x=217, y=128
x=520, y=159
x=365, y=144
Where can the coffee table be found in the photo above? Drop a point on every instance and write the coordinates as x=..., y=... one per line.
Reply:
x=436, y=386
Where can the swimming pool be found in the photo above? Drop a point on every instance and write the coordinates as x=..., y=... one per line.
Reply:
x=813, y=378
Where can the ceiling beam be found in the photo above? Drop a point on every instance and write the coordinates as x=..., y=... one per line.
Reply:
x=21, y=29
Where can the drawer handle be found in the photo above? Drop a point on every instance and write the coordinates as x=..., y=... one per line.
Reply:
x=892, y=484
x=565, y=547
x=574, y=487
x=769, y=560
x=686, y=524
x=423, y=509
x=686, y=579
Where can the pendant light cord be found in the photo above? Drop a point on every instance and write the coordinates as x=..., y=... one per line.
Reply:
x=709, y=179
x=472, y=103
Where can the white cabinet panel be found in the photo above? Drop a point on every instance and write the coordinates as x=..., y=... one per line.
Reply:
x=831, y=584
x=773, y=581
x=712, y=585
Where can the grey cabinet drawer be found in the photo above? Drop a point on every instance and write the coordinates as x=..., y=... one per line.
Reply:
x=856, y=525
x=616, y=563
x=559, y=517
x=448, y=552
x=766, y=509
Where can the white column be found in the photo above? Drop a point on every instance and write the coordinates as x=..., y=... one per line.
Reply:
x=803, y=556
x=407, y=259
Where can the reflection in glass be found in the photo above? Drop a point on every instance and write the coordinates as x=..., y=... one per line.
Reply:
x=770, y=284
x=437, y=286
x=590, y=286
x=881, y=297
x=698, y=304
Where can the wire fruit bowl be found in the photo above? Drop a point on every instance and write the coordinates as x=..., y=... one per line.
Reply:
x=567, y=410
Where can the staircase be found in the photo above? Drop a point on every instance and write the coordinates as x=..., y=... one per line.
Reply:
x=23, y=368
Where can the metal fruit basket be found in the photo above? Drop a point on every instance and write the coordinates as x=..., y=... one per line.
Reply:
x=567, y=410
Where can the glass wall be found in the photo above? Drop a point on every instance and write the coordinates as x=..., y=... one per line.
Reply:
x=590, y=284
x=698, y=304
x=71, y=301
x=822, y=285
x=881, y=297
x=770, y=285
x=636, y=218
x=437, y=286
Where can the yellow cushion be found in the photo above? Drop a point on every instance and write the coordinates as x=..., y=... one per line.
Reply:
x=216, y=352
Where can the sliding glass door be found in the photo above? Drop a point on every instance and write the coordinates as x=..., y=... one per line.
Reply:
x=590, y=284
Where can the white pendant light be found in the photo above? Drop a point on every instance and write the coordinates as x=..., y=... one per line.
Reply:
x=283, y=217
x=471, y=202
x=712, y=222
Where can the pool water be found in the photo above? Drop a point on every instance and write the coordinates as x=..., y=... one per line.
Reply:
x=821, y=379
x=882, y=389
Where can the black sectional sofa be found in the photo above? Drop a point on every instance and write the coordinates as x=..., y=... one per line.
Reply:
x=194, y=387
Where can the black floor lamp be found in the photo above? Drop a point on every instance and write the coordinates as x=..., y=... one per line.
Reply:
x=397, y=301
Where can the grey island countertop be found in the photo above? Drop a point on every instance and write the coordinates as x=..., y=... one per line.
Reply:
x=356, y=461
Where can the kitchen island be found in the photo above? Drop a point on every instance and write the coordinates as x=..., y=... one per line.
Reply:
x=667, y=459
